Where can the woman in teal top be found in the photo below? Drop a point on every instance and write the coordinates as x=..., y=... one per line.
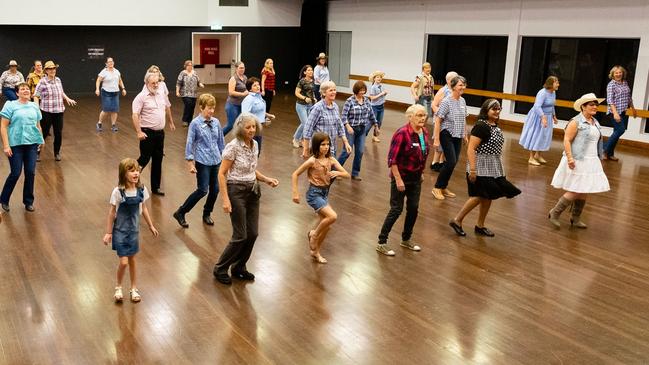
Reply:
x=21, y=135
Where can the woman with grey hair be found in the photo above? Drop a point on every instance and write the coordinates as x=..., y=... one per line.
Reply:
x=580, y=171
x=239, y=186
x=325, y=117
x=449, y=131
x=443, y=92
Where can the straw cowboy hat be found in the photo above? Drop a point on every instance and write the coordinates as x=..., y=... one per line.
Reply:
x=13, y=63
x=586, y=98
x=321, y=56
x=50, y=64
x=375, y=74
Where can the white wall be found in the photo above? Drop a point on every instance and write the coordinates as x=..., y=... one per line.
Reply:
x=390, y=35
x=154, y=13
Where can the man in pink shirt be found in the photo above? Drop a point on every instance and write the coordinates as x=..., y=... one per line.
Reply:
x=150, y=107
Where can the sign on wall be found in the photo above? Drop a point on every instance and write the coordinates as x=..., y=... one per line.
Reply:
x=95, y=52
x=209, y=51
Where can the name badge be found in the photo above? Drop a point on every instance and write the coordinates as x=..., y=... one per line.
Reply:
x=415, y=144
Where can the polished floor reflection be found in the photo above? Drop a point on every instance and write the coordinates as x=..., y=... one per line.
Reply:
x=530, y=295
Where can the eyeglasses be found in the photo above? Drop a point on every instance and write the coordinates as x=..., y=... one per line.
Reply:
x=496, y=109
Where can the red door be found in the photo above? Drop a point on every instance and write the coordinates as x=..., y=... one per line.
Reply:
x=209, y=51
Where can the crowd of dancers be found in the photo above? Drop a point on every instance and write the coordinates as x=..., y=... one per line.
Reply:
x=36, y=105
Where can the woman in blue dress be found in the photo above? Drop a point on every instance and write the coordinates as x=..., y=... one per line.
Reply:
x=537, y=131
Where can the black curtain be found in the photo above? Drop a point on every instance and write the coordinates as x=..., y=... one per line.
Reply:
x=313, y=31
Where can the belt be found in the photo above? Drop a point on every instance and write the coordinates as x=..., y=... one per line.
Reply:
x=152, y=130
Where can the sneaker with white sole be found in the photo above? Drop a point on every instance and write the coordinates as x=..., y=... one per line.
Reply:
x=410, y=245
x=99, y=127
x=384, y=249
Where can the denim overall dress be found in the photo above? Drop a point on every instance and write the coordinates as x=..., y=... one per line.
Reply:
x=126, y=227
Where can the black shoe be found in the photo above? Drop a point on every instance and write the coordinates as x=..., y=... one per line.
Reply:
x=484, y=231
x=243, y=275
x=180, y=218
x=29, y=208
x=437, y=166
x=458, y=228
x=5, y=207
x=208, y=220
x=159, y=192
x=223, y=278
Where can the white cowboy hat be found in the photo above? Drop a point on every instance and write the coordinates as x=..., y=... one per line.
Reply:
x=375, y=74
x=586, y=98
x=321, y=56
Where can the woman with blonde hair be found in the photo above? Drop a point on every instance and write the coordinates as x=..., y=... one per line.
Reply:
x=268, y=83
x=377, y=98
x=618, y=94
x=236, y=93
x=537, y=130
x=422, y=88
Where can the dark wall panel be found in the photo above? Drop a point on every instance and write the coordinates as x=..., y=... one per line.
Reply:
x=136, y=48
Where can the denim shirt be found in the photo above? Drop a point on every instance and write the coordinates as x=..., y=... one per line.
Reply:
x=205, y=142
x=578, y=145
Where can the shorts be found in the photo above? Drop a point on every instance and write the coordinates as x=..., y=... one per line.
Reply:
x=317, y=197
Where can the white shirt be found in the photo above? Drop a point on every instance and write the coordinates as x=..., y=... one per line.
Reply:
x=110, y=80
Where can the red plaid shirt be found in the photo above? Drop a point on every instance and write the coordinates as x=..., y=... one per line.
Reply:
x=406, y=152
x=269, y=83
x=51, y=94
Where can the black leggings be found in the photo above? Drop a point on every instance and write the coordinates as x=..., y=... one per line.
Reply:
x=188, y=111
x=53, y=120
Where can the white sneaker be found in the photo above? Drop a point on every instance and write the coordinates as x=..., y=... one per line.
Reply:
x=410, y=245
x=118, y=296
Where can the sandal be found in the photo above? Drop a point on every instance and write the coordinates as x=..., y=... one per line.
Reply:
x=135, y=295
x=319, y=259
x=118, y=296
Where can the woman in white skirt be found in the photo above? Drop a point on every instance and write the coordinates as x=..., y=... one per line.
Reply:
x=580, y=171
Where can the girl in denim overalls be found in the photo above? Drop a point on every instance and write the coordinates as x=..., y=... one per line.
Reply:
x=123, y=225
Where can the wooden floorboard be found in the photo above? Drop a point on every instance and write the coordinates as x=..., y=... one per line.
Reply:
x=530, y=295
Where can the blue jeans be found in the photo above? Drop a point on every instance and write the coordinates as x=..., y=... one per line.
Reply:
x=22, y=155
x=426, y=102
x=357, y=141
x=378, y=110
x=302, y=111
x=451, y=147
x=232, y=111
x=9, y=93
x=207, y=184
x=618, y=130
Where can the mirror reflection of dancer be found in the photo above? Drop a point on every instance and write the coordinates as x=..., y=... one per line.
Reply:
x=123, y=223
x=321, y=175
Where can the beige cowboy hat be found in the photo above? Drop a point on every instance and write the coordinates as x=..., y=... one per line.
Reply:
x=13, y=63
x=586, y=98
x=50, y=64
x=375, y=74
x=321, y=56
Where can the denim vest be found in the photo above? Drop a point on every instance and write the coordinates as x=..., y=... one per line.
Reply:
x=578, y=145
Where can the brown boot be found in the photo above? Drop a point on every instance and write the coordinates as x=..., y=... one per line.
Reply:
x=555, y=212
x=577, y=208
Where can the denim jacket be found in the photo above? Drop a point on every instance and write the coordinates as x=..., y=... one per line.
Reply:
x=578, y=145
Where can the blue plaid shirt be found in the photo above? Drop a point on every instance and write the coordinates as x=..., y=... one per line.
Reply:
x=357, y=114
x=618, y=94
x=204, y=141
x=324, y=119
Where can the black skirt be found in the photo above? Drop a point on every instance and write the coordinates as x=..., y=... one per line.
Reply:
x=491, y=187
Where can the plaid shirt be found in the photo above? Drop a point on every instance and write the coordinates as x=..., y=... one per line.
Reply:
x=269, y=83
x=453, y=113
x=489, y=151
x=406, y=153
x=324, y=119
x=357, y=114
x=618, y=94
x=51, y=94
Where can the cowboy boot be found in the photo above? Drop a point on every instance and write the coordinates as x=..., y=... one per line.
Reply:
x=577, y=208
x=555, y=212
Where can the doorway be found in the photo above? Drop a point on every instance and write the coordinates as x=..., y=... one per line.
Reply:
x=220, y=51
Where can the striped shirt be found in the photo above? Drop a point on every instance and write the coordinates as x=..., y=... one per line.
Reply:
x=50, y=93
x=325, y=119
x=453, y=114
x=618, y=94
x=357, y=114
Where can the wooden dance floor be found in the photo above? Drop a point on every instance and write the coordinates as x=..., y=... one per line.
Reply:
x=530, y=295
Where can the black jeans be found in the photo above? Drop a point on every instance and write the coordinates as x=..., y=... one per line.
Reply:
x=152, y=147
x=268, y=98
x=188, y=111
x=452, y=147
x=206, y=184
x=53, y=120
x=411, y=193
x=244, y=198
